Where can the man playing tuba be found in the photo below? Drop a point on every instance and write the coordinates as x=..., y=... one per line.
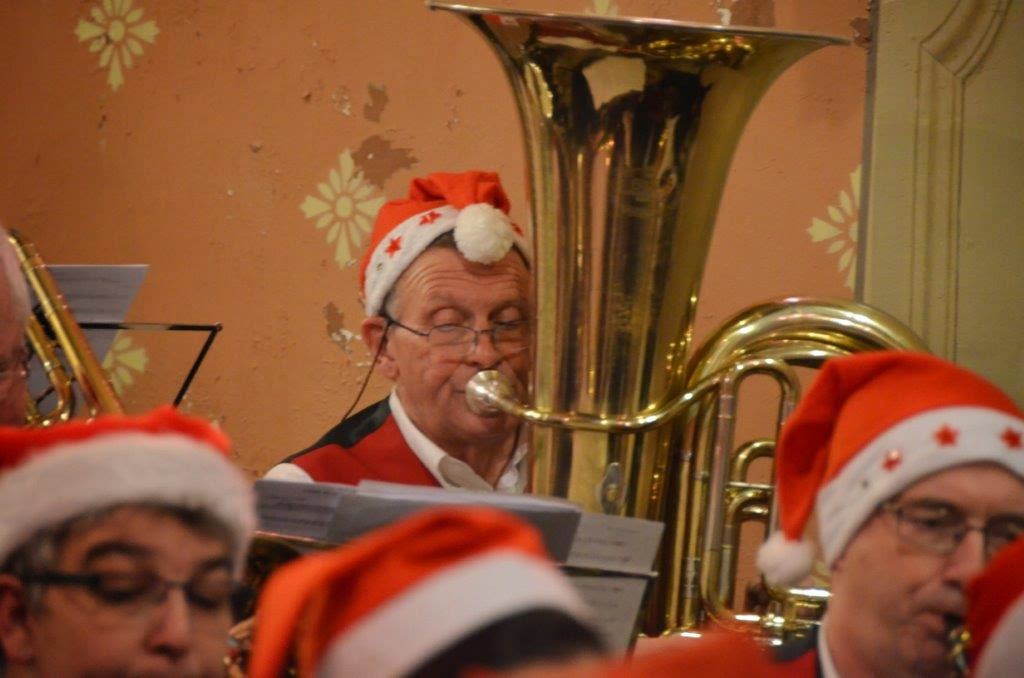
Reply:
x=446, y=290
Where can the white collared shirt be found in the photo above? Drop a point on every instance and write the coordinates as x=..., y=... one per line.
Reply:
x=446, y=469
x=828, y=669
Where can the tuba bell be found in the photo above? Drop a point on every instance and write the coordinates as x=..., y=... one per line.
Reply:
x=629, y=128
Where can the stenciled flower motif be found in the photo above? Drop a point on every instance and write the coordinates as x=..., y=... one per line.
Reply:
x=840, y=231
x=346, y=208
x=122, y=360
x=603, y=8
x=116, y=32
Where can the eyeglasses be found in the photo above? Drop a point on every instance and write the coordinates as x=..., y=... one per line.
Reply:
x=509, y=338
x=940, y=527
x=133, y=591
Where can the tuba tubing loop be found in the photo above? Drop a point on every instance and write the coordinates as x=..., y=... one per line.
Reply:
x=490, y=392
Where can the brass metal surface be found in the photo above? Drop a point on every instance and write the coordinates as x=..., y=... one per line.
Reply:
x=629, y=128
x=67, y=356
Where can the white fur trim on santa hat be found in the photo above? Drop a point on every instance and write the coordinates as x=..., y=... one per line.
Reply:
x=905, y=453
x=399, y=248
x=785, y=562
x=483, y=234
x=394, y=640
x=1002, y=655
x=77, y=477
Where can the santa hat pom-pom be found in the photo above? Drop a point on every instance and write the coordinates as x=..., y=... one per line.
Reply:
x=483, y=233
x=783, y=561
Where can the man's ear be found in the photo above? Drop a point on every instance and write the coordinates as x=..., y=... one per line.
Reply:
x=375, y=335
x=15, y=635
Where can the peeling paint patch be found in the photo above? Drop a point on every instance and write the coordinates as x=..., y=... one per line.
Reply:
x=342, y=101
x=453, y=110
x=378, y=102
x=861, y=31
x=336, y=330
x=379, y=160
x=746, y=12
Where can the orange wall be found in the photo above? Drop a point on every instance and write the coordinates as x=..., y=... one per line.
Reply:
x=200, y=162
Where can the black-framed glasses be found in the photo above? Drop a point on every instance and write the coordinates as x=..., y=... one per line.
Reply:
x=209, y=591
x=509, y=338
x=939, y=527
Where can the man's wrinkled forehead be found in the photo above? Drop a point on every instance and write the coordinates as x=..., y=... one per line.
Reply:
x=426, y=275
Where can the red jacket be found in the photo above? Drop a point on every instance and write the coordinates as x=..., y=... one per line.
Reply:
x=366, y=446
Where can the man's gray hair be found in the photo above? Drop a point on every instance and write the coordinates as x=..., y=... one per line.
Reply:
x=15, y=279
x=41, y=552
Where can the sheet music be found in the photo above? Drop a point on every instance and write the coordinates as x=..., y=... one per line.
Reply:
x=615, y=601
x=99, y=293
x=299, y=509
x=94, y=294
x=619, y=550
x=376, y=504
x=615, y=543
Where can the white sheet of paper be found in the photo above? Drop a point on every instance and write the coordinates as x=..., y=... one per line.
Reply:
x=376, y=504
x=94, y=294
x=615, y=601
x=99, y=294
x=615, y=544
x=299, y=509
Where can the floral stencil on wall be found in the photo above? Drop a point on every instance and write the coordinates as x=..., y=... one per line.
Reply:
x=839, y=232
x=603, y=8
x=346, y=208
x=117, y=33
x=122, y=361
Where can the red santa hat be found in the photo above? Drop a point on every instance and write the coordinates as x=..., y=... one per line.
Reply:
x=52, y=475
x=870, y=426
x=717, y=654
x=995, y=615
x=384, y=604
x=473, y=204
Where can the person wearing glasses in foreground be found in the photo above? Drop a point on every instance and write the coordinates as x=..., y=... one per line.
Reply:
x=446, y=290
x=915, y=470
x=121, y=540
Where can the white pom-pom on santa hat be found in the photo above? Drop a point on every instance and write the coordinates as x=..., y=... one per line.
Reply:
x=483, y=233
x=785, y=561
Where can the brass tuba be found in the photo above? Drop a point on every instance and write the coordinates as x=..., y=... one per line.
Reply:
x=59, y=341
x=629, y=128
